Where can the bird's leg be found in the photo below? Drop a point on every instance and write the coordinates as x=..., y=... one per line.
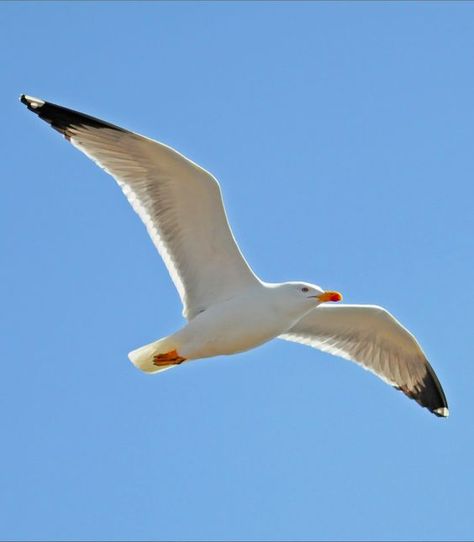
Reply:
x=169, y=358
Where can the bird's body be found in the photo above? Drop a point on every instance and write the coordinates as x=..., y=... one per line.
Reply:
x=227, y=307
x=256, y=315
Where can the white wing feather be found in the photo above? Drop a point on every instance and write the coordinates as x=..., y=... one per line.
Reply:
x=372, y=337
x=179, y=202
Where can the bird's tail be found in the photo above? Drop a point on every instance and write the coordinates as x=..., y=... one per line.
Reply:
x=143, y=357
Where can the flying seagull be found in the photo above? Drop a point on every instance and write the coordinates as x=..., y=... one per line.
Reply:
x=227, y=307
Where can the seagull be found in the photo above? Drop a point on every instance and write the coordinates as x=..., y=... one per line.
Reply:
x=227, y=307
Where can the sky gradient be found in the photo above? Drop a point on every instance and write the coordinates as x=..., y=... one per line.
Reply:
x=342, y=136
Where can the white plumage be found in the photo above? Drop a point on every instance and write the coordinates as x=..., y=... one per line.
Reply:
x=228, y=308
x=181, y=206
x=373, y=338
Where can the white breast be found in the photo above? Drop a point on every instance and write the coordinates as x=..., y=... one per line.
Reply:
x=236, y=325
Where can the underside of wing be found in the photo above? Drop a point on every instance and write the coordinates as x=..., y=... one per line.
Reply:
x=373, y=338
x=179, y=202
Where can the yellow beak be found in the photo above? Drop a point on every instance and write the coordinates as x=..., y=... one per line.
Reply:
x=329, y=296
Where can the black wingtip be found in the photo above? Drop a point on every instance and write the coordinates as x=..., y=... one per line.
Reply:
x=432, y=394
x=61, y=118
x=428, y=393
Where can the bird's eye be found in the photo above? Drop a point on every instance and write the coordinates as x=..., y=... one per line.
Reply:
x=305, y=289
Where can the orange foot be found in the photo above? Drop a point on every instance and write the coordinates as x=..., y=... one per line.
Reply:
x=170, y=358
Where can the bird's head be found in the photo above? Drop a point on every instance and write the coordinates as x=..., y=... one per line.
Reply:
x=308, y=295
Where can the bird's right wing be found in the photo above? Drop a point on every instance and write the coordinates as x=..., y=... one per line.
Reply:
x=372, y=337
x=179, y=202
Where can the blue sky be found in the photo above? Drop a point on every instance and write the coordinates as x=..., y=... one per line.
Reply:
x=342, y=136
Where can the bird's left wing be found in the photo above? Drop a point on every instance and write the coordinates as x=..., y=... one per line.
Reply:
x=179, y=202
x=372, y=337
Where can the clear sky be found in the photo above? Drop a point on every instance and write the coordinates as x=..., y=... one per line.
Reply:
x=342, y=134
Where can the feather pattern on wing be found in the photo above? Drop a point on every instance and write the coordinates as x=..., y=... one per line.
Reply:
x=372, y=337
x=179, y=202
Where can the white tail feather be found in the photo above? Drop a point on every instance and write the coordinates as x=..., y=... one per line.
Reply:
x=142, y=357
